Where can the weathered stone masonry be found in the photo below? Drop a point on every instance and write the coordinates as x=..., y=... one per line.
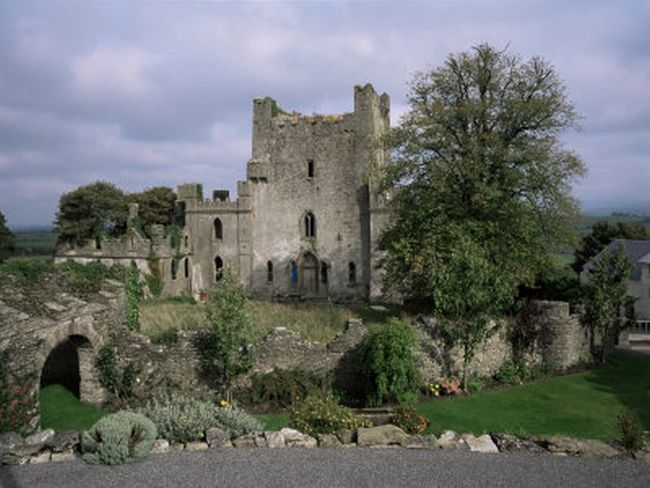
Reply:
x=305, y=223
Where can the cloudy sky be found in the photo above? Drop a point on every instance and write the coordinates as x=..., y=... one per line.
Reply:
x=145, y=93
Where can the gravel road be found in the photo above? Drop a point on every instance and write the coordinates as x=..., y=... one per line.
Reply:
x=330, y=468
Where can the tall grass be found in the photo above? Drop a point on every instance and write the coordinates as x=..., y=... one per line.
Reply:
x=313, y=321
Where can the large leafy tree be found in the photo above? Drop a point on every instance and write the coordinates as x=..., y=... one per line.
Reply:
x=479, y=181
x=602, y=233
x=7, y=239
x=156, y=206
x=91, y=212
x=606, y=296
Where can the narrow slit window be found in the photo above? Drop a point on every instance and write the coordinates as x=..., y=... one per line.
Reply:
x=310, y=225
x=186, y=264
x=269, y=272
x=323, y=273
x=352, y=273
x=310, y=168
x=174, y=268
x=218, y=268
x=218, y=229
x=294, y=273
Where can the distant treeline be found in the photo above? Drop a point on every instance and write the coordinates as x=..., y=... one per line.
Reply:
x=35, y=243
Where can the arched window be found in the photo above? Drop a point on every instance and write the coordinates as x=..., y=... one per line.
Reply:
x=218, y=229
x=218, y=268
x=310, y=168
x=187, y=241
x=352, y=273
x=174, y=268
x=186, y=265
x=310, y=225
x=294, y=273
x=269, y=272
x=323, y=273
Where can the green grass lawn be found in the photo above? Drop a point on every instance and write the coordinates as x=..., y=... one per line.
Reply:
x=579, y=405
x=61, y=410
x=273, y=421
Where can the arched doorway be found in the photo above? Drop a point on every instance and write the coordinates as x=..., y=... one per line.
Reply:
x=65, y=363
x=309, y=274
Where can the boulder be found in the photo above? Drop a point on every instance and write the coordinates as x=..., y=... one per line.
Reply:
x=196, y=446
x=346, y=436
x=421, y=442
x=216, y=437
x=451, y=440
x=64, y=441
x=274, y=439
x=295, y=438
x=43, y=457
x=382, y=435
x=160, y=446
x=41, y=438
x=58, y=457
x=510, y=443
x=260, y=440
x=480, y=444
x=643, y=456
x=8, y=441
x=328, y=441
x=561, y=445
x=243, y=441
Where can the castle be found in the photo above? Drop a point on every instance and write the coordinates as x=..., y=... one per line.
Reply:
x=305, y=223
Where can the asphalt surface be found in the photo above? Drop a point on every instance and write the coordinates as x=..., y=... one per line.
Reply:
x=330, y=468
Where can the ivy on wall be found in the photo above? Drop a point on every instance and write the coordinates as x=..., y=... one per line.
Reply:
x=133, y=297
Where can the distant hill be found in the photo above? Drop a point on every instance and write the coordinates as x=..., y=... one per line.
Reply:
x=35, y=242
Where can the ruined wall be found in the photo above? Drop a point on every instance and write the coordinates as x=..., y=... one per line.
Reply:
x=31, y=326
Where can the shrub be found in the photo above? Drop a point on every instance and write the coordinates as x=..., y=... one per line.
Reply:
x=407, y=419
x=180, y=418
x=630, y=431
x=237, y=422
x=321, y=414
x=388, y=369
x=118, y=383
x=514, y=372
x=26, y=271
x=83, y=278
x=281, y=388
x=118, y=438
x=475, y=384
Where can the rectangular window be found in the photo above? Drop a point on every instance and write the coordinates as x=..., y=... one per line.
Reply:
x=310, y=168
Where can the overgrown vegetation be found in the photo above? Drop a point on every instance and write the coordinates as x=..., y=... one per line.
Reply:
x=134, y=294
x=629, y=428
x=409, y=420
x=281, y=388
x=16, y=399
x=388, y=370
x=122, y=437
x=83, y=279
x=118, y=382
x=321, y=414
x=7, y=239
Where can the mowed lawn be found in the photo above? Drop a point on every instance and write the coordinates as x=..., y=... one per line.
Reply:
x=579, y=405
x=61, y=410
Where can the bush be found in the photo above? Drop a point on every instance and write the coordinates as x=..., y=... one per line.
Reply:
x=407, y=419
x=514, y=372
x=179, y=418
x=237, y=422
x=321, y=414
x=630, y=430
x=118, y=383
x=26, y=271
x=388, y=369
x=281, y=388
x=119, y=438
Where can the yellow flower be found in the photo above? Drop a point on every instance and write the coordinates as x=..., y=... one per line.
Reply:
x=223, y=403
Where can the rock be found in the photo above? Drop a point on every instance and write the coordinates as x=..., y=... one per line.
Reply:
x=274, y=439
x=421, y=442
x=260, y=441
x=244, y=441
x=479, y=444
x=58, y=457
x=160, y=446
x=177, y=447
x=196, y=446
x=42, y=438
x=510, y=443
x=216, y=437
x=346, y=436
x=65, y=440
x=328, y=441
x=295, y=438
x=8, y=441
x=643, y=456
x=451, y=440
x=382, y=435
x=577, y=447
x=43, y=457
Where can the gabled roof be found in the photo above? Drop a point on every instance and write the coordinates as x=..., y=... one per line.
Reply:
x=637, y=251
